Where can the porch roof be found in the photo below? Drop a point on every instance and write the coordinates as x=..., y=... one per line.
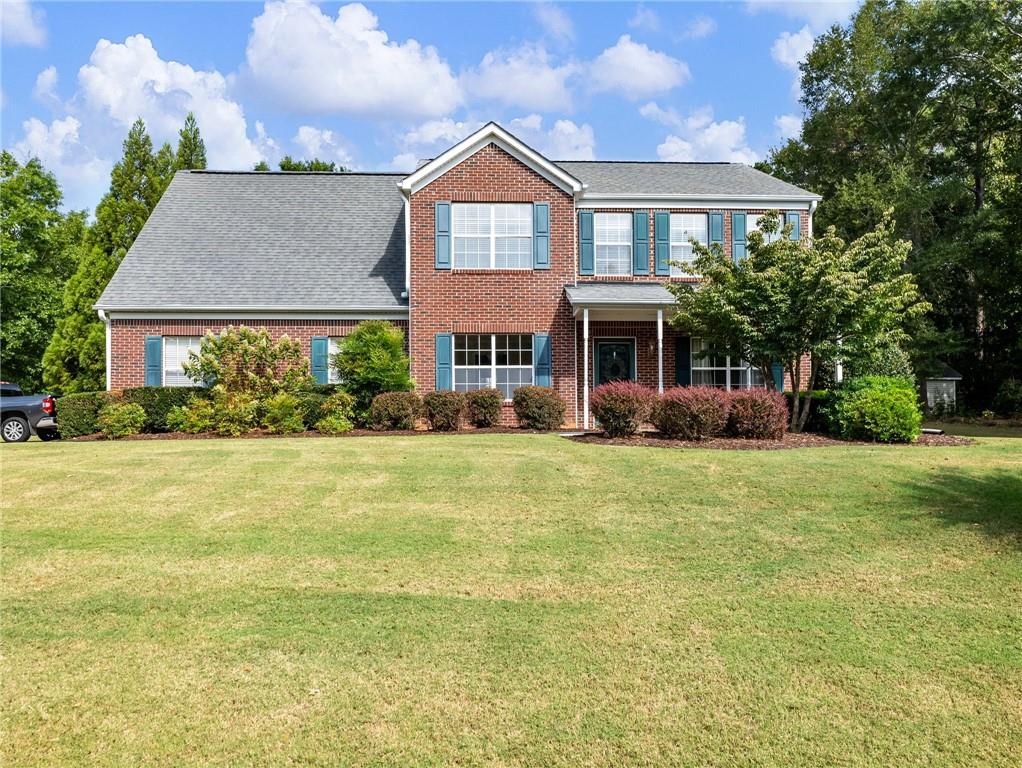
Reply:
x=606, y=295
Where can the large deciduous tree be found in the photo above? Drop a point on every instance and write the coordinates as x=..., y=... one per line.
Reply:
x=792, y=299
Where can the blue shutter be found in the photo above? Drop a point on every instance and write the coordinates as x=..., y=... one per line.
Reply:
x=443, y=236
x=586, y=250
x=683, y=361
x=444, y=367
x=792, y=217
x=778, y=371
x=153, y=361
x=716, y=228
x=541, y=359
x=640, y=243
x=662, y=242
x=541, y=236
x=321, y=359
x=737, y=236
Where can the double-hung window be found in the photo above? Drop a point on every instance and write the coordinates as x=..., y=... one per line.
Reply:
x=752, y=225
x=492, y=236
x=613, y=243
x=175, y=355
x=492, y=360
x=712, y=369
x=333, y=347
x=684, y=228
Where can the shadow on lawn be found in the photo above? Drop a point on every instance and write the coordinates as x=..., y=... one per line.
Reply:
x=992, y=500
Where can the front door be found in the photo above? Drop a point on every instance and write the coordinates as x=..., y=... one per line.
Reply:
x=615, y=361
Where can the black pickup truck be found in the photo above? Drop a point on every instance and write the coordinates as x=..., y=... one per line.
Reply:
x=22, y=415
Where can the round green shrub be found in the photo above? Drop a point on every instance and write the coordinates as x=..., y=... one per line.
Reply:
x=282, y=414
x=395, y=410
x=234, y=413
x=484, y=407
x=691, y=413
x=538, y=408
x=310, y=406
x=881, y=408
x=195, y=418
x=444, y=410
x=120, y=419
x=157, y=403
x=621, y=407
x=757, y=414
x=336, y=414
x=76, y=414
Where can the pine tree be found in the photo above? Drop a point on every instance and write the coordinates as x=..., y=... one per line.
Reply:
x=191, y=149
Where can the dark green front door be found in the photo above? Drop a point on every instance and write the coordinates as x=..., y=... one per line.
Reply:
x=615, y=361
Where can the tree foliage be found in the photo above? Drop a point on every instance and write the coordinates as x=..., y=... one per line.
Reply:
x=39, y=247
x=915, y=107
x=288, y=163
x=247, y=360
x=191, y=149
x=372, y=360
x=790, y=299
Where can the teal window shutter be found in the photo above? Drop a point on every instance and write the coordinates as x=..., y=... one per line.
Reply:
x=737, y=236
x=640, y=243
x=683, y=361
x=792, y=217
x=716, y=228
x=586, y=247
x=321, y=359
x=662, y=242
x=154, y=361
x=541, y=359
x=443, y=236
x=541, y=235
x=778, y=372
x=444, y=362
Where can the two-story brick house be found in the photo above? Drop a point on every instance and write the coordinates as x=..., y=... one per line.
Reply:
x=503, y=267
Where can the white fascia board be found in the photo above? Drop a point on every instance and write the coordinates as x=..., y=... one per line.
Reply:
x=491, y=133
x=248, y=313
x=730, y=202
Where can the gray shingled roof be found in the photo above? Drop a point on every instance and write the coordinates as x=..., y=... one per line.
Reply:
x=267, y=241
x=591, y=294
x=651, y=178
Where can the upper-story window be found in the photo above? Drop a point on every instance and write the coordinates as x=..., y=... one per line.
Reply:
x=752, y=225
x=612, y=238
x=492, y=236
x=684, y=228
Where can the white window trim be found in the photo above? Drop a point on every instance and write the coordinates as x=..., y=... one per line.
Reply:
x=728, y=368
x=493, y=237
x=672, y=243
x=630, y=243
x=493, y=362
x=163, y=361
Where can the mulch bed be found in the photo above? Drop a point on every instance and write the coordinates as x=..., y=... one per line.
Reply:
x=803, y=440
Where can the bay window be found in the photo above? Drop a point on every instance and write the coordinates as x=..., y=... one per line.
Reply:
x=612, y=240
x=492, y=236
x=686, y=227
x=492, y=360
x=712, y=369
x=175, y=355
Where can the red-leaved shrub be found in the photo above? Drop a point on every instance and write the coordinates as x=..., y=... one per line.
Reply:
x=692, y=413
x=538, y=408
x=758, y=413
x=621, y=407
x=444, y=410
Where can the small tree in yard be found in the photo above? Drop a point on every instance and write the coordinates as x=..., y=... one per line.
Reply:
x=790, y=299
x=247, y=360
x=372, y=360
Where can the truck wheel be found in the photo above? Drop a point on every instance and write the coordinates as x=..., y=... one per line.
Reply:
x=14, y=430
x=47, y=434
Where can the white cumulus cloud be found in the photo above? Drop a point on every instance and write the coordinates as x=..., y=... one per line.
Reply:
x=82, y=175
x=790, y=48
x=788, y=126
x=322, y=144
x=698, y=28
x=698, y=136
x=555, y=21
x=564, y=140
x=21, y=24
x=644, y=18
x=820, y=14
x=306, y=60
x=635, y=71
x=523, y=77
x=45, y=89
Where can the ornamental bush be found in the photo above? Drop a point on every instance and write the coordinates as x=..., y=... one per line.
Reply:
x=621, y=407
x=194, y=418
x=120, y=419
x=484, y=407
x=395, y=410
x=242, y=359
x=692, y=413
x=283, y=414
x=444, y=410
x=757, y=413
x=336, y=414
x=371, y=360
x=229, y=414
x=310, y=405
x=157, y=402
x=881, y=408
x=538, y=408
x=77, y=413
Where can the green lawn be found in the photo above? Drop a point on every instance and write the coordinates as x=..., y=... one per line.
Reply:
x=510, y=600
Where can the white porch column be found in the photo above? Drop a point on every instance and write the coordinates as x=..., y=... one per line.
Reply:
x=585, y=368
x=660, y=351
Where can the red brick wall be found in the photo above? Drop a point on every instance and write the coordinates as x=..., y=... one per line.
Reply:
x=127, y=338
x=487, y=300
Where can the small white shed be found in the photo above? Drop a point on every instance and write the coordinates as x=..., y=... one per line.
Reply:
x=942, y=390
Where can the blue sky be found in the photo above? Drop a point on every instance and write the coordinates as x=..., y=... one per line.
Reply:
x=376, y=85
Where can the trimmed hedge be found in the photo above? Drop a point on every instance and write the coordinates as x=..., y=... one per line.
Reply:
x=120, y=419
x=538, y=408
x=757, y=413
x=156, y=402
x=444, y=410
x=881, y=408
x=621, y=407
x=310, y=405
x=484, y=406
x=692, y=413
x=77, y=414
x=395, y=410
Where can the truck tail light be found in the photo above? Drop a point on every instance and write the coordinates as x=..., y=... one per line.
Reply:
x=49, y=405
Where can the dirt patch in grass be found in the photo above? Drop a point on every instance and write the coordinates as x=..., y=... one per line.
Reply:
x=790, y=440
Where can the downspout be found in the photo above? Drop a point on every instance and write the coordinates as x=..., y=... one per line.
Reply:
x=106, y=322
x=812, y=210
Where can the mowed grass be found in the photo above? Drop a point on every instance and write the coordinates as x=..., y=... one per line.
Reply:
x=510, y=600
